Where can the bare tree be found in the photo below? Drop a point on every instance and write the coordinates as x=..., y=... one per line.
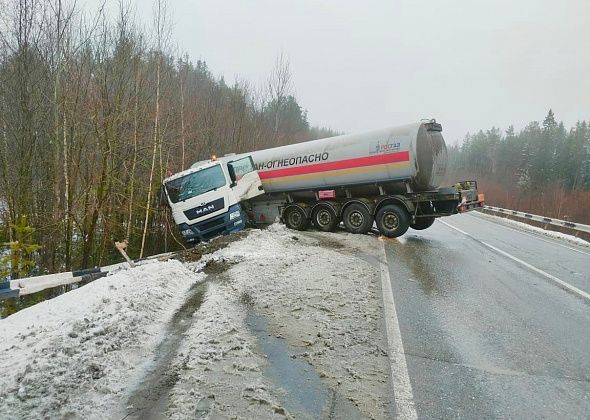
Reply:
x=61, y=40
x=279, y=87
x=161, y=26
x=138, y=78
x=182, y=76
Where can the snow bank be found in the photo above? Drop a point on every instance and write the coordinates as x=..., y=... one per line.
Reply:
x=72, y=356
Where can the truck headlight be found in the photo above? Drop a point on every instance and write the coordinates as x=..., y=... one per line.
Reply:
x=234, y=215
x=186, y=232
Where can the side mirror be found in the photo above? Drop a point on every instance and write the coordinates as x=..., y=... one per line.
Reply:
x=232, y=174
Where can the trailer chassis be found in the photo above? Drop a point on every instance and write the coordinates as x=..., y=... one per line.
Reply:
x=393, y=214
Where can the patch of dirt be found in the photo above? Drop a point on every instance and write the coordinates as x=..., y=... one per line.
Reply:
x=196, y=253
x=330, y=243
x=217, y=266
x=323, y=240
x=246, y=299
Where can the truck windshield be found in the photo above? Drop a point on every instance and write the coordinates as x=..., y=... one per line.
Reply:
x=194, y=184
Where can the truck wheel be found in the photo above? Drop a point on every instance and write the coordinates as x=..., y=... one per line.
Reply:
x=324, y=218
x=357, y=218
x=422, y=223
x=295, y=218
x=392, y=221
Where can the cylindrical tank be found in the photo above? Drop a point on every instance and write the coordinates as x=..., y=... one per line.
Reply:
x=413, y=154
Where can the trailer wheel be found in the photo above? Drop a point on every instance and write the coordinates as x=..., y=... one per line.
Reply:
x=392, y=220
x=422, y=223
x=357, y=218
x=324, y=218
x=295, y=218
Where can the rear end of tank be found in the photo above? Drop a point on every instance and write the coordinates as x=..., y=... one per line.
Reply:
x=431, y=158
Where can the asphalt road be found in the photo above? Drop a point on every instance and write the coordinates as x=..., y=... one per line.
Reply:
x=487, y=330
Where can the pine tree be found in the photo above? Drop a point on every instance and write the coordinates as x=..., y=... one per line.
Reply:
x=549, y=123
x=542, y=166
x=19, y=262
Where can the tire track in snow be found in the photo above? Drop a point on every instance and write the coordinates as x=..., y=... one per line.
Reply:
x=150, y=400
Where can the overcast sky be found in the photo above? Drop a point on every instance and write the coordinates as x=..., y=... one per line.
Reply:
x=359, y=65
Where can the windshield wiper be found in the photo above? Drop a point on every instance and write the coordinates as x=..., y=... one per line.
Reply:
x=212, y=189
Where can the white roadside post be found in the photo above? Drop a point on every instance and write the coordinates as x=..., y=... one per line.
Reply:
x=121, y=247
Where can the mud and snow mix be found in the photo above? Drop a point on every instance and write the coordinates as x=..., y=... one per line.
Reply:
x=278, y=324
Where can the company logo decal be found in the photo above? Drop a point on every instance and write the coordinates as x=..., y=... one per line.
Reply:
x=388, y=146
x=205, y=209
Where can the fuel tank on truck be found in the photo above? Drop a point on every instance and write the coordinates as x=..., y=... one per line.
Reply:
x=413, y=154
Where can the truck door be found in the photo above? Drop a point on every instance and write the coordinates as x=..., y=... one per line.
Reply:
x=246, y=183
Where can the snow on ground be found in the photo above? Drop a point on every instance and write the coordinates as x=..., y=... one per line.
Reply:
x=317, y=292
x=73, y=356
x=530, y=228
x=281, y=324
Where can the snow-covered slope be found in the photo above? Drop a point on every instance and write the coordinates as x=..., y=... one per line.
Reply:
x=73, y=356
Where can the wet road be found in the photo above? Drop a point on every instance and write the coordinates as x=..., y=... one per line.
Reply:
x=487, y=330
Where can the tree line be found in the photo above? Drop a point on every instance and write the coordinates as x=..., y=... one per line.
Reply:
x=95, y=111
x=544, y=168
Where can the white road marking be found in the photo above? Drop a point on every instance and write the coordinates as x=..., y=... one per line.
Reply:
x=554, y=242
x=402, y=387
x=560, y=282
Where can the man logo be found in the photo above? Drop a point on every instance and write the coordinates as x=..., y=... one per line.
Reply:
x=204, y=209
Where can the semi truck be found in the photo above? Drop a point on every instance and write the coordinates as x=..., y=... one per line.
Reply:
x=388, y=178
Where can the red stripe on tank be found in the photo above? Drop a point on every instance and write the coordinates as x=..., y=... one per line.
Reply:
x=339, y=164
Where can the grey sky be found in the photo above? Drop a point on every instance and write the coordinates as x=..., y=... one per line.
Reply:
x=360, y=65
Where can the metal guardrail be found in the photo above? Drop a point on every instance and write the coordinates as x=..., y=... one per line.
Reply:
x=28, y=285
x=548, y=220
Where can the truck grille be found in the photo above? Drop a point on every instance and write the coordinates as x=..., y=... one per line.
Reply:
x=210, y=224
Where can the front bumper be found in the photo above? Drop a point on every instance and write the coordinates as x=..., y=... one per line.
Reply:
x=215, y=226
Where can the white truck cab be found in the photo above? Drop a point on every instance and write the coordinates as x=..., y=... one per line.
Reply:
x=205, y=199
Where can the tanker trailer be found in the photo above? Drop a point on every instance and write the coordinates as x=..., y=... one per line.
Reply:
x=389, y=177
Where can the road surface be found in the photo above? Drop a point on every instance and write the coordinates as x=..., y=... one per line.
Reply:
x=495, y=322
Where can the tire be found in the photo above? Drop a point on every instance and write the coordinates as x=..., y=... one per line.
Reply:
x=392, y=220
x=422, y=223
x=357, y=218
x=324, y=218
x=295, y=218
